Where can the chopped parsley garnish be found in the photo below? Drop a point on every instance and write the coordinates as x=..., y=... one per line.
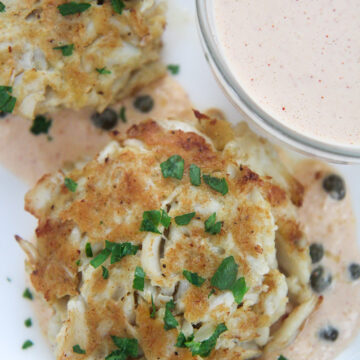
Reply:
x=205, y=347
x=7, y=102
x=174, y=69
x=195, y=175
x=70, y=184
x=225, y=275
x=41, y=125
x=88, y=250
x=239, y=289
x=105, y=272
x=67, y=50
x=118, y=251
x=78, y=262
x=225, y=279
x=27, y=294
x=165, y=219
x=2, y=7
x=153, y=218
x=169, y=320
x=78, y=350
x=212, y=292
x=182, y=339
x=72, y=7
x=184, y=219
x=126, y=348
x=193, y=278
x=27, y=344
x=28, y=322
x=211, y=226
x=139, y=279
x=173, y=167
x=281, y=357
x=219, y=185
x=100, y=258
x=118, y=6
x=153, y=308
x=103, y=71
x=122, y=114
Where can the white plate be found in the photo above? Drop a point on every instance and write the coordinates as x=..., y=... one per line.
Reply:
x=182, y=46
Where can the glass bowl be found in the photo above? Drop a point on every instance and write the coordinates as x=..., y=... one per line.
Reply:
x=254, y=114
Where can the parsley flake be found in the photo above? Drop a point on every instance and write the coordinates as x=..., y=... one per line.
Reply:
x=193, y=278
x=70, y=184
x=182, y=339
x=105, y=272
x=139, y=279
x=72, y=7
x=205, y=347
x=41, y=125
x=27, y=344
x=153, y=218
x=239, y=289
x=212, y=292
x=119, y=251
x=211, y=226
x=88, y=250
x=173, y=167
x=219, y=185
x=126, y=348
x=184, y=219
x=27, y=294
x=225, y=275
x=174, y=69
x=28, y=322
x=103, y=71
x=281, y=357
x=2, y=7
x=78, y=350
x=153, y=308
x=122, y=114
x=78, y=262
x=100, y=258
x=169, y=320
x=195, y=175
x=67, y=50
x=7, y=102
x=118, y=6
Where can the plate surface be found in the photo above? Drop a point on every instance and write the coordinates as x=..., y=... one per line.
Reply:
x=182, y=46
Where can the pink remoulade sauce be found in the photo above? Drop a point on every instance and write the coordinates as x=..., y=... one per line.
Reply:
x=299, y=60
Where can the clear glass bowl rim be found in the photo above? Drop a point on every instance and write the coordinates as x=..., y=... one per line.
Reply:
x=263, y=121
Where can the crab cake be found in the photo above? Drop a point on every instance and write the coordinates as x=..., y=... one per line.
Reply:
x=60, y=54
x=171, y=245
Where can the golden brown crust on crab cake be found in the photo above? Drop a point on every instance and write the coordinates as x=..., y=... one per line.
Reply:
x=114, y=190
x=43, y=79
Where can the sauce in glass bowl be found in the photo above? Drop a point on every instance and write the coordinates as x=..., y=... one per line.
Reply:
x=298, y=60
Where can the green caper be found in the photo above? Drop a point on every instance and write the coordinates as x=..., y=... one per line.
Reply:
x=316, y=252
x=334, y=185
x=329, y=334
x=320, y=280
x=144, y=103
x=107, y=120
x=354, y=270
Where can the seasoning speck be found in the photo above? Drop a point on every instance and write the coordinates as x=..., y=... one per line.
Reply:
x=334, y=185
x=354, y=270
x=316, y=252
x=144, y=103
x=107, y=120
x=320, y=280
x=329, y=334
